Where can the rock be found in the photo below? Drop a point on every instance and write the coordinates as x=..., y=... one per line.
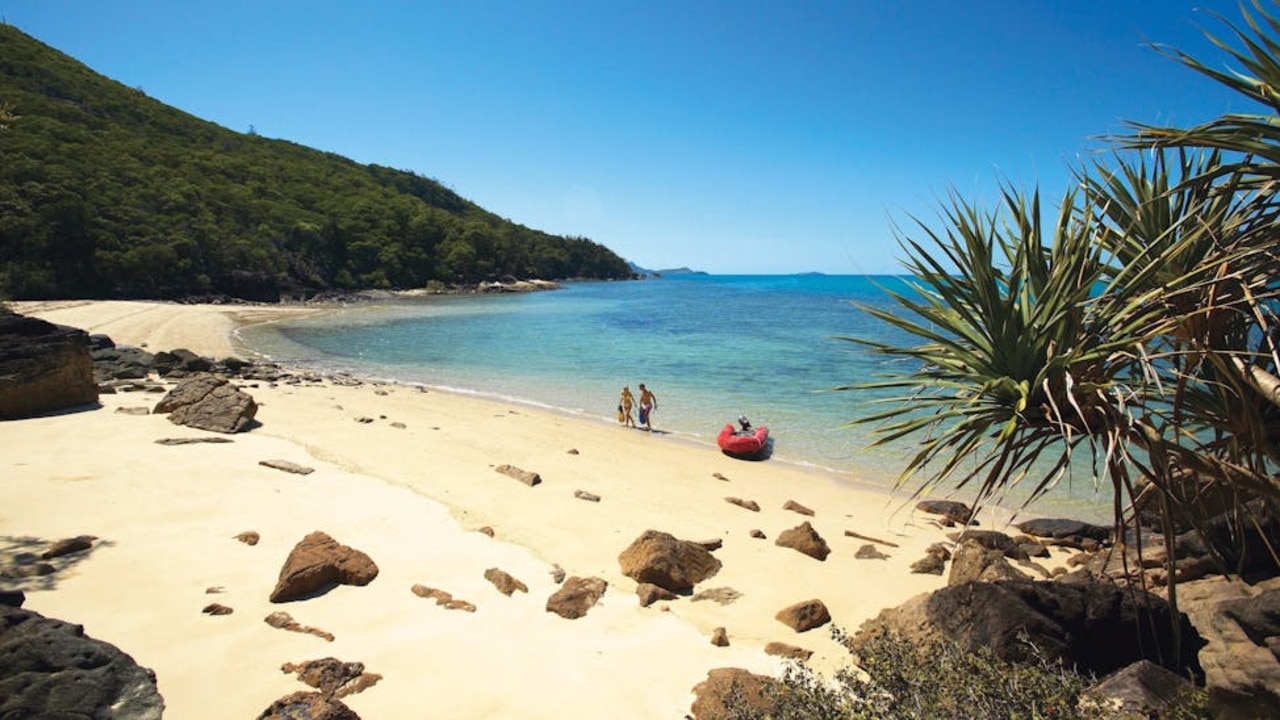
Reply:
x=988, y=539
x=756, y=692
x=248, y=537
x=954, y=512
x=332, y=677
x=650, y=594
x=584, y=495
x=794, y=506
x=486, y=530
x=12, y=598
x=557, y=574
x=304, y=705
x=929, y=565
x=1142, y=689
x=318, y=563
x=121, y=362
x=751, y=505
x=138, y=411
x=287, y=466
x=192, y=441
x=51, y=669
x=43, y=367
x=720, y=637
x=29, y=570
x=804, y=616
x=524, y=476
x=722, y=595
x=869, y=552
x=791, y=652
x=659, y=558
x=576, y=597
x=504, y=582
x=210, y=403
x=284, y=621
x=67, y=546
x=442, y=598
x=217, y=609
x=719, y=476
x=1099, y=627
x=757, y=534
x=974, y=563
x=711, y=545
x=803, y=538
x=1241, y=626
x=1061, y=529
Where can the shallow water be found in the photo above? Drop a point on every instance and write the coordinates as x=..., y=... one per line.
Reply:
x=711, y=348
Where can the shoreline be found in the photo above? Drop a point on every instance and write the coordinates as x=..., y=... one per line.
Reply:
x=409, y=476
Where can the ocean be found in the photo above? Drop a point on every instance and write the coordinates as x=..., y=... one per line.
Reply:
x=711, y=347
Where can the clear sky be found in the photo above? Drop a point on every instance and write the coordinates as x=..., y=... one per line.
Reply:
x=732, y=137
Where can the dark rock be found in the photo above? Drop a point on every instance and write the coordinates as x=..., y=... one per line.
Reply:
x=751, y=505
x=249, y=537
x=1142, y=689
x=121, y=362
x=794, y=506
x=791, y=652
x=211, y=403
x=803, y=538
x=43, y=367
x=576, y=597
x=318, y=563
x=929, y=565
x=193, y=440
x=51, y=669
x=217, y=609
x=67, y=546
x=650, y=594
x=973, y=562
x=804, y=616
x=747, y=690
x=758, y=534
x=1060, y=529
x=524, y=476
x=720, y=637
x=504, y=582
x=1098, y=627
x=12, y=598
x=27, y=570
x=332, y=677
x=869, y=552
x=953, y=511
x=659, y=558
x=304, y=705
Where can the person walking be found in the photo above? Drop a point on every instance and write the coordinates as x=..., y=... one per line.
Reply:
x=624, y=407
x=648, y=403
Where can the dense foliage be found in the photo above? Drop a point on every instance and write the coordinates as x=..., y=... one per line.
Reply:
x=105, y=192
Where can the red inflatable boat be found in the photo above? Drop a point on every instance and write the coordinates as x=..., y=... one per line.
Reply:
x=742, y=444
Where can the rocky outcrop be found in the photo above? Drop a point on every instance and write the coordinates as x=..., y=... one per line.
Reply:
x=1098, y=627
x=1241, y=660
x=804, y=539
x=51, y=669
x=208, y=402
x=43, y=367
x=576, y=597
x=317, y=564
x=661, y=559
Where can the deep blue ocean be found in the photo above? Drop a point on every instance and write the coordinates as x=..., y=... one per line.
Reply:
x=711, y=347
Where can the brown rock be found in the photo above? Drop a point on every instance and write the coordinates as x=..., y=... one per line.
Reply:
x=68, y=546
x=929, y=565
x=332, y=677
x=720, y=637
x=803, y=538
x=309, y=705
x=209, y=403
x=722, y=595
x=442, y=598
x=711, y=545
x=758, y=693
x=524, y=476
x=216, y=609
x=751, y=505
x=659, y=558
x=757, y=534
x=869, y=552
x=780, y=649
x=650, y=594
x=284, y=621
x=249, y=537
x=953, y=512
x=1241, y=625
x=504, y=582
x=43, y=367
x=804, y=616
x=576, y=597
x=318, y=563
x=486, y=530
x=584, y=495
x=794, y=506
x=973, y=562
x=287, y=466
x=26, y=571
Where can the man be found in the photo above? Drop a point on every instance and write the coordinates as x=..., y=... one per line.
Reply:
x=648, y=403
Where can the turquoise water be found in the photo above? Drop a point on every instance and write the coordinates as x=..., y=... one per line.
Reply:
x=710, y=347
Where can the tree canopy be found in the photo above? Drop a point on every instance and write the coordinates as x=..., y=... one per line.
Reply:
x=107, y=193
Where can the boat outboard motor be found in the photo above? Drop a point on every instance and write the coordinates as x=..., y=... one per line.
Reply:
x=745, y=423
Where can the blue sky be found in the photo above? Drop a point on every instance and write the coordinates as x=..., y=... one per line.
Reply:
x=732, y=137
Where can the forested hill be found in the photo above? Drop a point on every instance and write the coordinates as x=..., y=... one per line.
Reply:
x=107, y=193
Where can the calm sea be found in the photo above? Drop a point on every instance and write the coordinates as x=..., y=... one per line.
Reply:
x=710, y=347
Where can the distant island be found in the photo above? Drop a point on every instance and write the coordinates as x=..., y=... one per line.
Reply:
x=107, y=193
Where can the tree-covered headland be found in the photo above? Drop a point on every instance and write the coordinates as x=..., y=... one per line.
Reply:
x=108, y=193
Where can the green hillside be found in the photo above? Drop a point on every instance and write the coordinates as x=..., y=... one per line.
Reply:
x=107, y=193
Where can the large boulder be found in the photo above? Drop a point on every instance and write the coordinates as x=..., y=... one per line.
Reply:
x=318, y=563
x=211, y=403
x=1241, y=660
x=661, y=559
x=51, y=669
x=1098, y=627
x=43, y=367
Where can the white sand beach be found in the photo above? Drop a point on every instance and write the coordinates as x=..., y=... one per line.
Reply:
x=407, y=475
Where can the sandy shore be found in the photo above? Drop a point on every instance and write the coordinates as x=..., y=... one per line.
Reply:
x=407, y=476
